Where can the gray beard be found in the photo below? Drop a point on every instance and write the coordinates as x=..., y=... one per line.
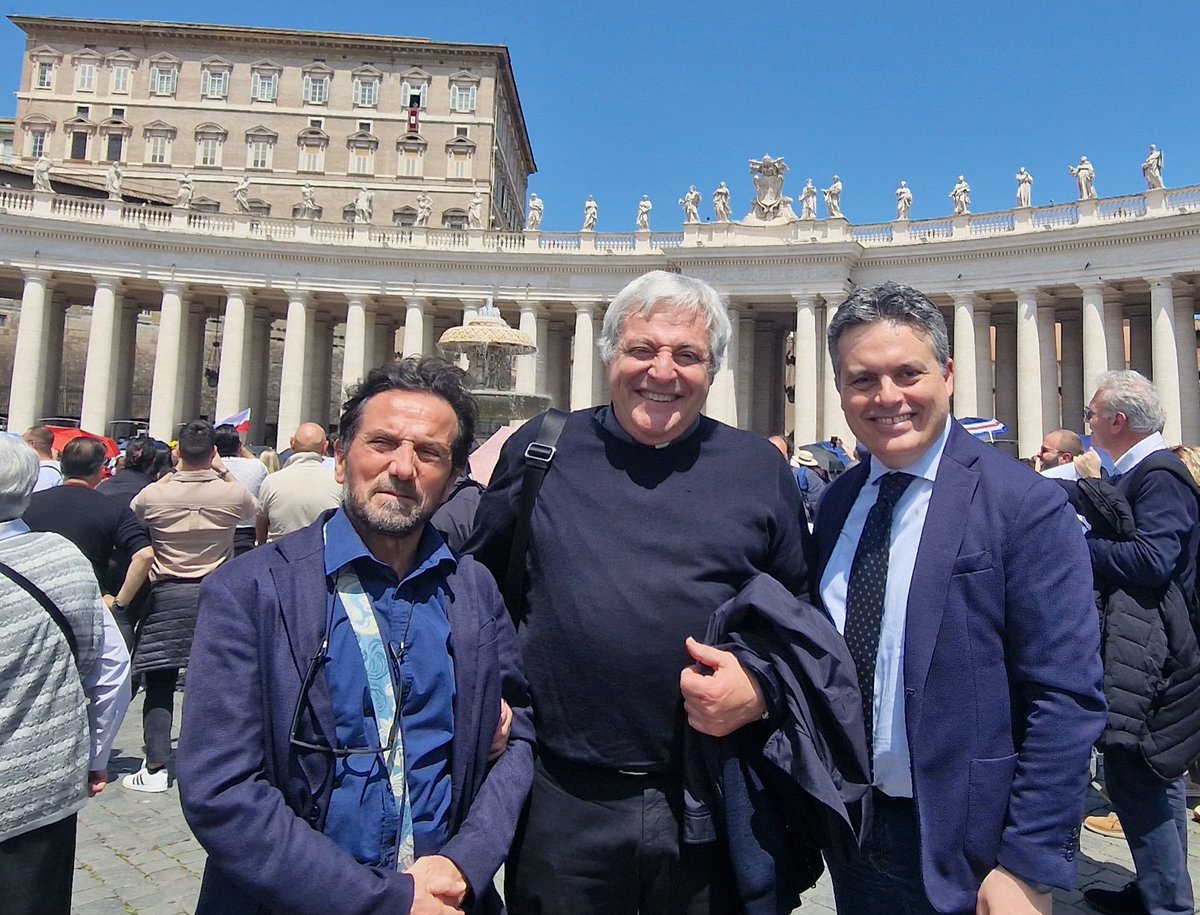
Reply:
x=397, y=524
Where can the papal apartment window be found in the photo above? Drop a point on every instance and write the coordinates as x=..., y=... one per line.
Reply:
x=214, y=83
x=208, y=152
x=158, y=150
x=316, y=89
x=462, y=98
x=85, y=77
x=114, y=147
x=366, y=92
x=79, y=144
x=413, y=95
x=119, y=81
x=264, y=87
x=37, y=143
x=260, y=154
x=45, y=76
x=163, y=80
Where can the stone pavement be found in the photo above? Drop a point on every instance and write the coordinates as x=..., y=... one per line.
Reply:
x=136, y=855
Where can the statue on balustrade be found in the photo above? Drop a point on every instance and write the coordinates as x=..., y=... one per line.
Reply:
x=364, y=205
x=424, y=209
x=308, y=202
x=1152, y=168
x=533, y=222
x=721, y=203
x=241, y=195
x=183, y=196
x=808, y=200
x=590, y=211
x=643, y=216
x=961, y=195
x=1024, y=187
x=691, y=205
x=112, y=181
x=1085, y=177
x=903, y=200
x=769, y=202
x=833, y=198
x=475, y=211
x=41, y=175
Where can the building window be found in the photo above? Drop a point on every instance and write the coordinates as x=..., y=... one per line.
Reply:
x=460, y=164
x=264, y=87
x=118, y=114
x=37, y=143
x=462, y=132
x=366, y=91
x=414, y=94
x=208, y=152
x=312, y=158
x=45, y=76
x=411, y=161
x=82, y=111
x=405, y=217
x=462, y=98
x=114, y=147
x=158, y=150
x=85, y=77
x=454, y=219
x=214, y=83
x=163, y=80
x=260, y=154
x=119, y=81
x=79, y=144
x=316, y=89
x=362, y=161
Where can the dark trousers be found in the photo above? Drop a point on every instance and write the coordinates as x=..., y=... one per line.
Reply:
x=158, y=712
x=599, y=842
x=244, y=539
x=887, y=875
x=1154, y=818
x=36, y=869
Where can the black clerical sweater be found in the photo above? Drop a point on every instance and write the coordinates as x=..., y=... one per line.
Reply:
x=632, y=550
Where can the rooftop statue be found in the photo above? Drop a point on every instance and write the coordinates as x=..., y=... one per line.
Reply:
x=590, y=211
x=1024, y=187
x=769, y=202
x=112, y=181
x=308, y=202
x=720, y=200
x=424, y=209
x=241, y=195
x=41, y=175
x=643, y=214
x=1085, y=178
x=833, y=198
x=183, y=196
x=691, y=205
x=808, y=200
x=364, y=205
x=1152, y=168
x=475, y=211
x=904, y=198
x=961, y=195
x=533, y=223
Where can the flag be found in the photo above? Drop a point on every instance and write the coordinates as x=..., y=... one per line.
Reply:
x=240, y=421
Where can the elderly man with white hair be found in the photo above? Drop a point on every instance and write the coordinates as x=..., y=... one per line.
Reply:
x=64, y=688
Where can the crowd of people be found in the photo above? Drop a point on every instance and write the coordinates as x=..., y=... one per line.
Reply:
x=656, y=665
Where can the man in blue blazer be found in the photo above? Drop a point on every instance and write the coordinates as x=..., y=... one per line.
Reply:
x=346, y=687
x=961, y=582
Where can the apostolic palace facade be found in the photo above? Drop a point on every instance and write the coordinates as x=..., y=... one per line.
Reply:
x=290, y=208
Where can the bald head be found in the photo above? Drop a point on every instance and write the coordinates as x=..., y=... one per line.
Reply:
x=1060, y=447
x=309, y=437
x=781, y=443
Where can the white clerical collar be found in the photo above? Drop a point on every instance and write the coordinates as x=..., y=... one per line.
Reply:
x=925, y=466
x=1143, y=449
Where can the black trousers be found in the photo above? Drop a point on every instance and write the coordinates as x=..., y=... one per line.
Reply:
x=599, y=842
x=158, y=712
x=36, y=870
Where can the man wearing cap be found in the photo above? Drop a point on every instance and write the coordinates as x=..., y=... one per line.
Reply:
x=808, y=478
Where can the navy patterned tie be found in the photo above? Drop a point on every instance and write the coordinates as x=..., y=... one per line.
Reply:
x=865, y=591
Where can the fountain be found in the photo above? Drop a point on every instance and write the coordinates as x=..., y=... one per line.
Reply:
x=491, y=348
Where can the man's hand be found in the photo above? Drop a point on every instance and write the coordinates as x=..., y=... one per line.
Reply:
x=1087, y=465
x=1003, y=893
x=722, y=699
x=500, y=738
x=97, y=780
x=438, y=886
x=108, y=600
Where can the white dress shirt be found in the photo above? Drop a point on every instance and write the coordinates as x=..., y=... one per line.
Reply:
x=893, y=774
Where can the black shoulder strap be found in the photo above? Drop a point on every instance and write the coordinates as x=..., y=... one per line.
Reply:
x=48, y=605
x=538, y=456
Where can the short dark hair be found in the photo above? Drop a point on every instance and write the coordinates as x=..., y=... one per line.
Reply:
x=81, y=457
x=40, y=437
x=196, y=440
x=139, y=454
x=227, y=440
x=890, y=302
x=423, y=374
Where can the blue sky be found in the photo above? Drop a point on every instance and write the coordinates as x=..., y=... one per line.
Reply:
x=624, y=99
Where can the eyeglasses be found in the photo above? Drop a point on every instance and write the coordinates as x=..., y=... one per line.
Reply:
x=1088, y=413
x=1045, y=450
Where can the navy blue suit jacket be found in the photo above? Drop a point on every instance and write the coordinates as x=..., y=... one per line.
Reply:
x=257, y=804
x=1002, y=673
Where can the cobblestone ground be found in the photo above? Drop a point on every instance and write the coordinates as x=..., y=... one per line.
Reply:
x=136, y=855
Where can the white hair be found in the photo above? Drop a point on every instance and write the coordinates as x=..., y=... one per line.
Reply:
x=1131, y=393
x=18, y=473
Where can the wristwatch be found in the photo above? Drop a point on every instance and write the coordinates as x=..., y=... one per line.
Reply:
x=114, y=606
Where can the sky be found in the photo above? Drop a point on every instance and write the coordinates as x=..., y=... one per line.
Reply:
x=623, y=98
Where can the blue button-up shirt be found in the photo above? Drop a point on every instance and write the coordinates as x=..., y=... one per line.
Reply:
x=363, y=816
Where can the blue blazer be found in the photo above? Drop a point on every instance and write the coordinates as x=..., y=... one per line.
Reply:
x=1002, y=673
x=257, y=804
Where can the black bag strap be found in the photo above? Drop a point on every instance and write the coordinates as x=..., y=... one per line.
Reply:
x=538, y=456
x=48, y=605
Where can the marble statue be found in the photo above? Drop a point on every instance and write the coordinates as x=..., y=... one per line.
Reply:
x=1152, y=168
x=112, y=181
x=833, y=198
x=643, y=216
x=183, y=196
x=308, y=202
x=720, y=200
x=1024, y=187
x=241, y=195
x=589, y=214
x=769, y=201
x=808, y=200
x=533, y=222
x=424, y=209
x=475, y=211
x=1085, y=177
x=364, y=205
x=903, y=200
x=961, y=195
x=691, y=205
x=41, y=175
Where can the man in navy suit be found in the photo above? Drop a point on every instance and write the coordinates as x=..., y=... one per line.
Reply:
x=980, y=672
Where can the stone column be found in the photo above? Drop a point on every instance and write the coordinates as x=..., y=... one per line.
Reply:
x=722, y=396
x=1048, y=349
x=354, y=347
x=125, y=348
x=1189, y=385
x=1114, y=327
x=542, y=341
x=526, y=380
x=292, y=382
x=56, y=327
x=414, y=326
x=744, y=383
x=320, y=368
x=966, y=374
x=1006, y=372
x=232, y=384
x=382, y=340
x=810, y=356
x=1140, y=358
x=1029, y=373
x=258, y=370
x=556, y=382
x=26, y=396
x=164, y=390
x=833, y=421
x=1165, y=355
x=193, y=351
x=1071, y=377
x=96, y=412
x=1095, y=337
x=984, y=387
x=600, y=392
x=582, y=358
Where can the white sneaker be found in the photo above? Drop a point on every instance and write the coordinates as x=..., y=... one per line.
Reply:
x=145, y=780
